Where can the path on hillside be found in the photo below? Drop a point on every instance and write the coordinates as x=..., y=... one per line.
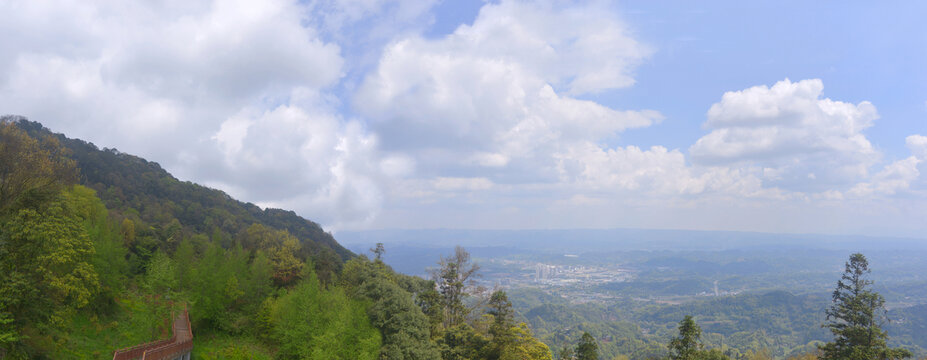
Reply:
x=177, y=347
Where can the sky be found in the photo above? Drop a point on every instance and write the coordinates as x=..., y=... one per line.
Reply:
x=769, y=116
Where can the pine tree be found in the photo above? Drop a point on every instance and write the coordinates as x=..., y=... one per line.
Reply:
x=855, y=317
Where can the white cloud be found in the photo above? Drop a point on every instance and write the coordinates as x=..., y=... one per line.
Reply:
x=487, y=95
x=918, y=145
x=229, y=93
x=338, y=108
x=895, y=177
x=801, y=141
x=656, y=171
x=898, y=176
x=302, y=156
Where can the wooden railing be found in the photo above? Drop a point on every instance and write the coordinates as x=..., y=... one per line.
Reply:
x=137, y=351
x=180, y=342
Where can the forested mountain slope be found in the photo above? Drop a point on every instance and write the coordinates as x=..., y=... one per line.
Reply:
x=97, y=248
x=135, y=186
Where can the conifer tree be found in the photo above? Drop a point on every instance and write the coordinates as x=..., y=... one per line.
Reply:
x=855, y=317
x=686, y=346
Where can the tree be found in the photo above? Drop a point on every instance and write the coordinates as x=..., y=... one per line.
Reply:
x=501, y=310
x=462, y=342
x=686, y=346
x=378, y=251
x=311, y=322
x=280, y=247
x=46, y=257
x=28, y=166
x=128, y=232
x=403, y=326
x=855, y=318
x=160, y=276
x=454, y=276
x=525, y=346
x=587, y=349
x=501, y=329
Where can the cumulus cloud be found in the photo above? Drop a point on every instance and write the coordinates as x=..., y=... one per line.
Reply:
x=337, y=109
x=656, y=171
x=801, y=141
x=500, y=93
x=898, y=176
x=302, y=156
x=229, y=93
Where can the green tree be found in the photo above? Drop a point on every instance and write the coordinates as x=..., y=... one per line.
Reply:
x=127, y=230
x=46, y=263
x=161, y=276
x=455, y=277
x=501, y=310
x=314, y=323
x=280, y=247
x=687, y=345
x=587, y=348
x=855, y=318
x=525, y=346
x=403, y=326
x=462, y=342
x=501, y=329
x=30, y=168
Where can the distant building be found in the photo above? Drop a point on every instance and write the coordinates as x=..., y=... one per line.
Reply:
x=544, y=272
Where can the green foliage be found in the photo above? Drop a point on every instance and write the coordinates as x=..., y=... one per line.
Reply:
x=587, y=348
x=223, y=347
x=46, y=269
x=502, y=328
x=687, y=345
x=313, y=323
x=560, y=325
x=404, y=327
x=225, y=289
x=854, y=318
x=134, y=319
x=265, y=276
x=462, y=342
x=30, y=168
x=161, y=277
x=455, y=277
x=281, y=248
x=525, y=346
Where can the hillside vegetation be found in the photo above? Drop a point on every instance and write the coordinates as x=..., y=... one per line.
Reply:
x=97, y=247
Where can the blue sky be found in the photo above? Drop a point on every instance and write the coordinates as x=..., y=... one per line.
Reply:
x=726, y=115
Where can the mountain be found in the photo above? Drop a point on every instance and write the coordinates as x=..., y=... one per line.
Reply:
x=130, y=184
